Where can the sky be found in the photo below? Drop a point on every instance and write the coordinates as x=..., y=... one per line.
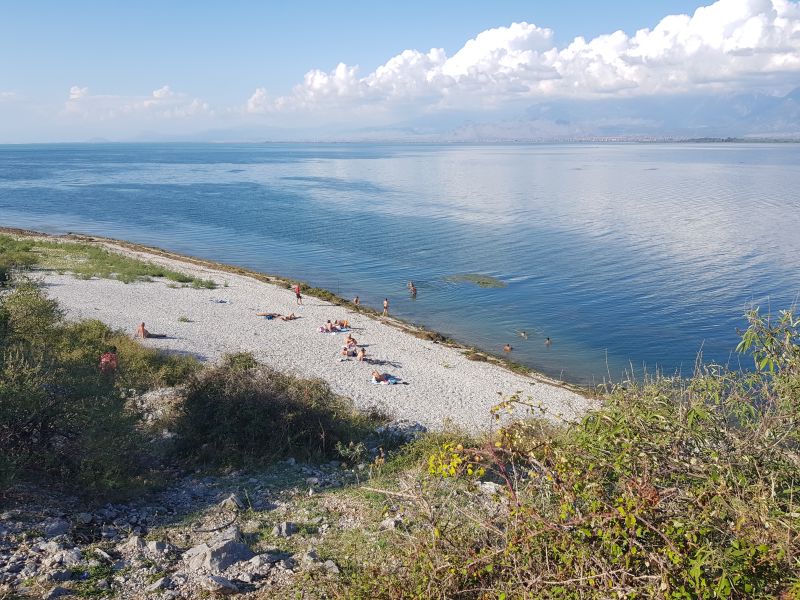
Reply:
x=82, y=70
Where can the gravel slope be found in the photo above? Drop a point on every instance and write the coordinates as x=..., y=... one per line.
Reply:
x=442, y=385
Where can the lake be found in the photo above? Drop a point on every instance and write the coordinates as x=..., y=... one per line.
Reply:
x=628, y=256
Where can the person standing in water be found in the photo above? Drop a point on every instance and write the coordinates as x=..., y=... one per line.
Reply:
x=547, y=341
x=357, y=302
x=385, y=307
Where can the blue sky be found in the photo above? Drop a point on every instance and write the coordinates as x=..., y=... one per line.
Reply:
x=78, y=70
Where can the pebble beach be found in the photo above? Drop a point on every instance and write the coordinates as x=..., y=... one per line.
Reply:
x=439, y=385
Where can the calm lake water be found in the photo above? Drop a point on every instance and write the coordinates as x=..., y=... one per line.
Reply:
x=627, y=256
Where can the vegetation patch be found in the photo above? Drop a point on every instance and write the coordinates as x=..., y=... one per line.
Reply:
x=85, y=261
x=243, y=413
x=484, y=281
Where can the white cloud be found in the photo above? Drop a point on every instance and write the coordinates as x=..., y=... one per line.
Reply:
x=728, y=45
x=76, y=93
x=162, y=103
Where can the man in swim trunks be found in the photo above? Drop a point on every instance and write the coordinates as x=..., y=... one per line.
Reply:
x=385, y=307
x=297, y=297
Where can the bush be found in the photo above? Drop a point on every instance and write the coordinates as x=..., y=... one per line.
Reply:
x=243, y=414
x=674, y=489
x=59, y=416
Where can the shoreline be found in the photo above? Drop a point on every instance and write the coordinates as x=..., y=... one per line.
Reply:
x=316, y=292
x=444, y=387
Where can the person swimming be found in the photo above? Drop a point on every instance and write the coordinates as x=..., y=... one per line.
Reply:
x=547, y=342
x=507, y=348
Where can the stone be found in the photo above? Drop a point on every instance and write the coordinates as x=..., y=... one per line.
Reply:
x=69, y=558
x=312, y=480
x=331, y=567
x=158, y=548
x=58, y=592
x=489, y=487
x=285, y=529
x=390, y=523
x=134, y=545
x=220, y=585
x=232, y=533
x=55, y=527
x=103, y=584
x=217, y=557
x=233, y=502
x=61, y=576
x=84, y=518
x=102, y=554
x=161, y=584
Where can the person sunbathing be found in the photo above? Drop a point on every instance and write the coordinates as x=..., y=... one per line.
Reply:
x=348, y=351
x=269, y=315
x=329, y=327
x=290, y=317
x=361, y=354
x=143, y=333
x=350, y=340
x=384, y=378
x=343, y=323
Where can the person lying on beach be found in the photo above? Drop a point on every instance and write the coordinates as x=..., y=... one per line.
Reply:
x=343, y=323
x=361, y=355
x=269, y=315
x=384, y=378
x=143, y=333
x=290, y=317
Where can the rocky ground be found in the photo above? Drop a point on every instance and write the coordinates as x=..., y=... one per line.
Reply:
x=251, y=534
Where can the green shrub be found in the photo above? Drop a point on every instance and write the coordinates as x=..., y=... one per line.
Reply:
x=243, y=414
x=674, y=489
x=60, y=418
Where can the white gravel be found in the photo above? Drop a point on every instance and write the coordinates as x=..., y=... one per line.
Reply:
x=442, y=385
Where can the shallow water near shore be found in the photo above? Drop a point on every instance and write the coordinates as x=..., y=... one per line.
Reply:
x=624, y=255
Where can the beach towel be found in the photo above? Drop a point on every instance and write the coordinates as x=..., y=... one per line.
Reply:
x=389, y=381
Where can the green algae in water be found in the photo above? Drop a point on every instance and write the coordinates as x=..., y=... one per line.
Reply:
x=484, y=281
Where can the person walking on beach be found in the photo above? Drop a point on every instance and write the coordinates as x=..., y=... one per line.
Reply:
x=385, y=307
x=297, y=297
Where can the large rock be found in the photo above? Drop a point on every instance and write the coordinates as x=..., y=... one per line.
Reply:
x=55, y=527
x=216, y=557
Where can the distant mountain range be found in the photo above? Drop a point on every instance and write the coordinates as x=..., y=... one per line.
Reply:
x=751, y=116
x=680, y=117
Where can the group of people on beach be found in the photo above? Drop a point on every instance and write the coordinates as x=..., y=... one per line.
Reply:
x=108, y=361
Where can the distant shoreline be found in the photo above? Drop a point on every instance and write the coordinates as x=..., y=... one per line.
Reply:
x=602, y=140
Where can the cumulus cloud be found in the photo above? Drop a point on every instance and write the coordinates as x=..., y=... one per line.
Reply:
x=728, y=45
x=162, y=103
